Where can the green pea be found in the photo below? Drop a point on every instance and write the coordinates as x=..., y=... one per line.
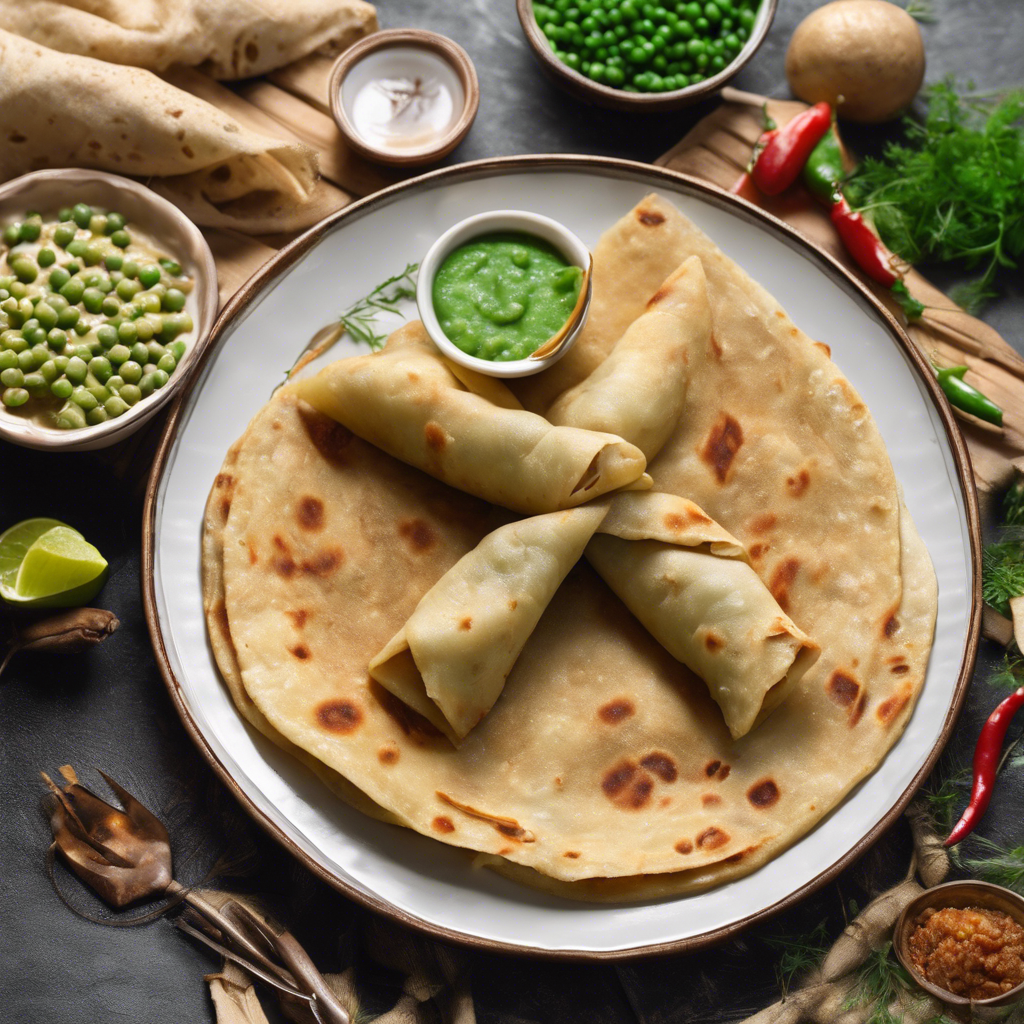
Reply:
x=111, y=305
x=128, y=334
x=121, y=239
x=119, y=353
x=98, y=223
x=61, y=362
x=76, y=370
x=702, y=25
x=31, y=230
x=149, y=276
x=49, y=371
x=46, y=258
x=12, y=234
x=160, y=378
x=156, y=351
x=100, y=368
x=26, y=309
x=106, y=335
x=33, y=333
x=57, y=339
x=167, y=363
x=81, y=214
x=81, y=328
x=92, y=299
x=717, y=64
x=71, y=417
x=64, y=235
x=35, y=384
x=72, y=291
x=83, y=399
x=131, y=372
x=26, y=361
x=127, y=289
x=24, y=269
x=140, y=354
x=40, y=353
x=130, y=393
x=77, y=247
x=94, y=417
x=144, y=329
x=8, y=360
x=171, y=266
x=83, y=352
x=113, y=261
x=147, y=385
x=115, y=406
x=92, y=254
x=13, y=397
x=62, y=388
x=115, y=384
x=130, y=268
x=65, y=213
x=12, y=377
x=58, y=278
x=68, y=318
x=150, y=302
x=18, y=290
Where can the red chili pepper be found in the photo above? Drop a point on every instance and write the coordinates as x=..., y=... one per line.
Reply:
x=780, y=153
x=986, y=764
x=864, y=246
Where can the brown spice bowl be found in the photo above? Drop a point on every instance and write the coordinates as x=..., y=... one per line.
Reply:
x=982, y=895
x=640, y=102
x=432, y=42
x=47, y=191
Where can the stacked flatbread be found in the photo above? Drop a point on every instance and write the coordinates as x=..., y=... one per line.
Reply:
x=600, y=768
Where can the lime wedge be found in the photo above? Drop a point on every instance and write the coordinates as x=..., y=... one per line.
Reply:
x=44, y=563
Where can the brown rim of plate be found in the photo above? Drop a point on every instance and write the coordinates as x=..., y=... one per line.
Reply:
x=445, y=48
x=653, y=176
x=640, y=102
x=984, y=896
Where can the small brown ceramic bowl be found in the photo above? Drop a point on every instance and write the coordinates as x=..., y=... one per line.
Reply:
x=405, y=57
x=48, y=191
x=982, y=895
x=639, y=102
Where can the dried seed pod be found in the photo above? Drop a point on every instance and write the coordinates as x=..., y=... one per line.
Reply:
x=65, y=633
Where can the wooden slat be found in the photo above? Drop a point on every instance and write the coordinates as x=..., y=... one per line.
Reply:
x=945, y=333
x=238, y=257
x=307, y=79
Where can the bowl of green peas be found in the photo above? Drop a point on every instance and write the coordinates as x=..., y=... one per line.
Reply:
x=107, y=295
x=644, y=56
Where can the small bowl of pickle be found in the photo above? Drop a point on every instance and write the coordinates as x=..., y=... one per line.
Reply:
x=107, y=294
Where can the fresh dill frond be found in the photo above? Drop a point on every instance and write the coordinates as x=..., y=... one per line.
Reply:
x=1002, y=574
x=1010, y=674
x=945, y=793
x=952, y=192
x=359, y=320
x=881, y=981
x=1013, y=503
x=800, y=953
x=1003, y=866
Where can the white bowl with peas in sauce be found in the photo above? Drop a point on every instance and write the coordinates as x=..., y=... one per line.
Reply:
x=505, y=293
x=107, y=293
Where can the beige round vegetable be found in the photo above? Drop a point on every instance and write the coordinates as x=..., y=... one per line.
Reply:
x=865, y=57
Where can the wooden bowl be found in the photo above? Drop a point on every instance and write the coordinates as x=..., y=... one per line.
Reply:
x=983, y=895
x=419, y=39
x=47, y=191
x=617, y=99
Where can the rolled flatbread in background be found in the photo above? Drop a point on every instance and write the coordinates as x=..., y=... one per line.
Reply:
x=638, y=392
x=58, y=110
x=450, y=660
x=221, y=37
x=690, y=584
x=406, y=401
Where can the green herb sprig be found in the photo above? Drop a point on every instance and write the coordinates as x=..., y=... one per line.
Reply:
x=882, y=980
x=359, y=319
x=800, y=953
x=1002, y=563
x=953, y=192
x=1003, y=865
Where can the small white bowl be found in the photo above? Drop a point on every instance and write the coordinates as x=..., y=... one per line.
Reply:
x=574, y=251
x=47, y=191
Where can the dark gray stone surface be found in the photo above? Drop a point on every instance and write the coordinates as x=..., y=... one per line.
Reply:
x=110, y=709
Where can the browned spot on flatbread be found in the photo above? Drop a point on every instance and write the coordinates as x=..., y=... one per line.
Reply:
x=419, y=534
x=341, y=716
x=716, y=349
x=253, y=555
x=723, y=773
x=763, y=523
x=639, y=793
x=710, y=798
x=175, y=113
x=711, y=768
x=299, y=617
x=858, y=710
x=780, y=313
x=252, y=51
x=890, y=626
x=713, y=642
x=443, y=824
x=684, y=846
x=310, y=513
x=223, y=480
x=220, y=613
x=842, y=688
x=571, y=854
x=189, y=152
x=722, y=444
x=661, y=293
x=436, y=437
x=712, y=838
x=660, y=764
x=650, y=218
x=616, y=711
x=899, y=670
x=678, y=521
x=329, y=438
x=466, y=624
x=412, y=723
x=301, y=651
x=513, y=604
x=284, y=566
x=824, y=348
x=225, y=509
x=764, y=793
x=15, y=136
x=892, y=706
x=782, y=579
x=617, y=778
x=799, y=483
x=506, y=826
x=757, y=551
x=324, y=562
x=388, y=755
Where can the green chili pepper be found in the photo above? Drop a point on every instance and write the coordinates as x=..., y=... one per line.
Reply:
x=824, y=171
x=965, y=397
x=912, y=308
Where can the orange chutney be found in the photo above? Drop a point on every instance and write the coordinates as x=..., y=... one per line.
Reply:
x=971, y=952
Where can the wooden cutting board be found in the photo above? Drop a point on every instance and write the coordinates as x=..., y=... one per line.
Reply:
x=718, y=148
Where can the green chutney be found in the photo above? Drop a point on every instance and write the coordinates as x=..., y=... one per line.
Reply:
x=502, y=295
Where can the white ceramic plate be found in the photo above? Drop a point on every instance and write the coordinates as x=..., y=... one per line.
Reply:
x=398, y=872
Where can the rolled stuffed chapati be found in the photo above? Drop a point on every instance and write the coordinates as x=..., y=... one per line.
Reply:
x=690, y=584
x=639, y=391
x=406, y=401
x=450, y=660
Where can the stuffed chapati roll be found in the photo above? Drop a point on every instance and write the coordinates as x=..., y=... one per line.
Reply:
x=690, y=584
x=406, y=401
